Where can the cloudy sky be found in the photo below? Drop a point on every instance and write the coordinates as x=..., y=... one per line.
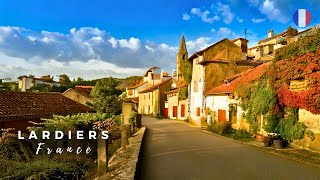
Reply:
x=120, y=38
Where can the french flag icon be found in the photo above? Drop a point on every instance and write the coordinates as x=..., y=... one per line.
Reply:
x=302, y=17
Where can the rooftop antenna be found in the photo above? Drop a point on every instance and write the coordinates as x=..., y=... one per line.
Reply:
x=245, y=33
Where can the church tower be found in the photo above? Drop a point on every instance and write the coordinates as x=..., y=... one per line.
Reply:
x=182, y=55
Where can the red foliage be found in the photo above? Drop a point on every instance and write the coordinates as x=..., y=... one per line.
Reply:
x=306, y=66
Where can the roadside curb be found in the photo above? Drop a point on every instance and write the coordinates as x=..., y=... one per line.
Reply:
x=264, y=149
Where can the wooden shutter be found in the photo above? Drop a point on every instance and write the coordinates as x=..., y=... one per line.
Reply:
x=182, y=110
x=198, y=111
x=222, y=115
x=174, y=111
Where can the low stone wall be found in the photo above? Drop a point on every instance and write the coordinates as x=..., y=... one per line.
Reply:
x=123, y=164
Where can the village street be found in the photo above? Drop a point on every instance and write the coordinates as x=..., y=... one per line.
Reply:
x=175, y=150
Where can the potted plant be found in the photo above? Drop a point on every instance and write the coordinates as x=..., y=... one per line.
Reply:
x=279, y=142
x=268, y=141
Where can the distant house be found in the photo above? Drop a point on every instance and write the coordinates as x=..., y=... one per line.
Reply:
x=81, y=94
x=18, y=108
x=26, y=82
x=220, y=99
x=152, y=99
x=152, y=76
x=266, y=48
x=211, y=66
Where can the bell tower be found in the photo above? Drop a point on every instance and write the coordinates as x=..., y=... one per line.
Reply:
x=182, y=55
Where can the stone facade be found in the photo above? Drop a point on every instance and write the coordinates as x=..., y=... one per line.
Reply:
x=211, y=67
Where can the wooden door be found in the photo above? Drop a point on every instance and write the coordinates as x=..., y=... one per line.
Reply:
x=183, y=107
x=174, y=111
x=165, y=112
x=222, y=115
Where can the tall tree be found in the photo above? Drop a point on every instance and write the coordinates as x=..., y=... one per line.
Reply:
x=106, y=96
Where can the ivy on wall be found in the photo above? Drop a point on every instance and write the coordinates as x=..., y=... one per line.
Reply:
x=186, y=69
x=183, y=93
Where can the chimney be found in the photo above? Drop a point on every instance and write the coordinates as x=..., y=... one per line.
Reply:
x=270, y=33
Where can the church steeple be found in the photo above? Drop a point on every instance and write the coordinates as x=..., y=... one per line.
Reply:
x=182, y=55
x=183, y=47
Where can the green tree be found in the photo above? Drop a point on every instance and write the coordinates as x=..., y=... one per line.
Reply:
x=106, y=96
x=64, y=80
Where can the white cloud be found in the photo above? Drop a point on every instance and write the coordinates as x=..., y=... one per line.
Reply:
x=226, y=13
x=212, y=30
x=240, y=20
x=186, y=17
x=198, y=44
x=204, y=15
x=274, y=11
x=133, y=43
x=224, y=31
x=254, y=20
x=30, y=49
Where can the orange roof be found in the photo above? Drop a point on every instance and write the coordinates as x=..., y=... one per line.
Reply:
x=246, y=77
x=85, y=87
x=152, y=88
x=42, y=104
x=135, y=86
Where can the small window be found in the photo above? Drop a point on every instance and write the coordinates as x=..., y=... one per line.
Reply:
x=183, y=57
x=149, y=96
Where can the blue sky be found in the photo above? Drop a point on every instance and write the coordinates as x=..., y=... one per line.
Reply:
x=100, y=38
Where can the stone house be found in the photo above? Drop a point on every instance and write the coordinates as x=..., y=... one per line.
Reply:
x=18, y=108
x=26, y=82
x=223, y=104
x=152, y=100
x=152, y=76
x=211, y=66
x=80, y=94
x=265, y=49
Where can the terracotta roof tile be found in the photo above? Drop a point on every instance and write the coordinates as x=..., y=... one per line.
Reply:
x=245, y=77
x=152, y=88
x=27, y=104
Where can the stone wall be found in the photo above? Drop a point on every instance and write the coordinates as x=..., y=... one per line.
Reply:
x=312, y=122
x=123, y=164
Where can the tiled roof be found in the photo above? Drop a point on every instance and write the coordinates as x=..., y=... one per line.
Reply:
x=245, y=78
x=172, y=91
x=152, y=88
x=84, y=90
x=150, y=69
x=135, y=86
x=132, y=100
x=27, y=104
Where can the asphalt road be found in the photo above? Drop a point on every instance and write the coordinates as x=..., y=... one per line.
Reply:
x=174, y=150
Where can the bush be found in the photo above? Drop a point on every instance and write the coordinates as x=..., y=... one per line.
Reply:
x=220, y=128
x=42, y=169
x=290, y=128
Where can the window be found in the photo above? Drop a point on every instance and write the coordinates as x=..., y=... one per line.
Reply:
x=195, y=86
x=149, y=96
x=198, y=111
x=183, y=57
x=144, y=97
x=130, y=92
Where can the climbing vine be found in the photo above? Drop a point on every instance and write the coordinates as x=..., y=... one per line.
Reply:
x=257, y=100
x=186, y=69
x=183, y=93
